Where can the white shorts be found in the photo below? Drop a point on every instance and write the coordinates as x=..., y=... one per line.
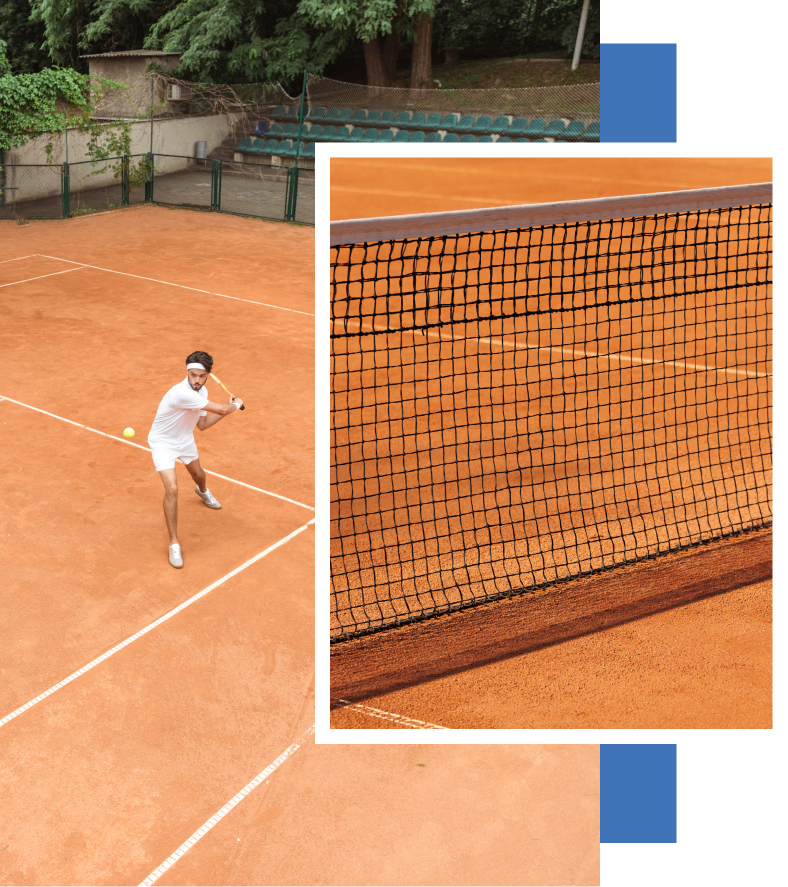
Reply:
x=164, y=458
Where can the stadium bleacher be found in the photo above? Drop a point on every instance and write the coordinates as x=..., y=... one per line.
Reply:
x=278, y=135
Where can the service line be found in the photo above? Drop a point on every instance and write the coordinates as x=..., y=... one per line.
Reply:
x=220, y=814
x=179, y=285
x=143, y=631
x=40, y=277
x=147, y=450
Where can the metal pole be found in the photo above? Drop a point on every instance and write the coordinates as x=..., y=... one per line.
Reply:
x=580, y=34
x=151, y=114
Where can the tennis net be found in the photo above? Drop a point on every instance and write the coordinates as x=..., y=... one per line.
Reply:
x=522, y=396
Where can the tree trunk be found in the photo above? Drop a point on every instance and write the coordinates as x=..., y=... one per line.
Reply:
x=376, y=72
x=421, y=61
x=390, y=55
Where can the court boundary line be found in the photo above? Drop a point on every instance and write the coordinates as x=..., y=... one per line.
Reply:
x=178, y=285
x=19, y=258
x=573, y=352
x=143, y=631
x=147, y=450
x=223, y=811
x=40, y=277
x=402, y=720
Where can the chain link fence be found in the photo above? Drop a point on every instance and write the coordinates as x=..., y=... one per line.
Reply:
x=60, y=191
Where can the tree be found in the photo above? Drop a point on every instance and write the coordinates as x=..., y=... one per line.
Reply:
x=22, y=37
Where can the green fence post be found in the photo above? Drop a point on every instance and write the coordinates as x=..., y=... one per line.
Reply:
x=216, y=183
x=66, y=196
x=292, y=194
x=301, y=120
x=149, y=181
x=2, y=179
x=124, y=181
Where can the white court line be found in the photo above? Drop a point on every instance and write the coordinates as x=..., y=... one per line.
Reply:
x=159, y=621
x=390, y=716
x=220, y=814
x=574, y=352
x=40, y=277
x=18, y=258
x=179, y=285
x=147, y=450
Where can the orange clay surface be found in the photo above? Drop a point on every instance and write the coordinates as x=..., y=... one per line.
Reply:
x=102, y=780
x=703, y=665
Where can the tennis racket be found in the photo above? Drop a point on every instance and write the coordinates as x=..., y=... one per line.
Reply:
x=219, y=382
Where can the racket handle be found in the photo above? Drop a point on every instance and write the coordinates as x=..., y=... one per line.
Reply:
x=243, y=407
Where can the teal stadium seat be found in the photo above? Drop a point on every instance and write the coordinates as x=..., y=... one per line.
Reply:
x=275, y=130
x=315, y=132
x=484, y=139
x=270, y=146
x=402, y=136
x=316, y=114
x=592, y=133
x=555, y=128
x=258, y=145
x=451, y=137
x=574, y=130
x=309, y=150
x=500, y=125
x=433, y=121
x=449, y=122
x=503, y=139
x=289, y=129
x=541, y=140
x=279, y=112
x=465, y=123
x=370, y=135
x=518, y=126
x=342, y=134
x=373, y=117
x=356, y=134
x=344, y=116
x=329, y=133
x=523, y=139
x=244, y=145
x=293, y=113
x=536, y=127
x=417, y=136
x=482, y=124
x=284, y=146
x=359, y=117
x=386, y=135
x=402, y=119
x=434, y=137
x=332, y=115
x=387, y=117
x=418, y=120
x=468, y=137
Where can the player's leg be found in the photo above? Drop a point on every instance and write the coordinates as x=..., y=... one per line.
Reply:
x=170, y=482
x=198, y=474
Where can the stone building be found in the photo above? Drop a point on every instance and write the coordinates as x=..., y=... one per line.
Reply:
x=130, y=67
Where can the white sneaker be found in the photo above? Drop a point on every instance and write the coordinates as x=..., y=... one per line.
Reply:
x=207, y=498
x=175, y=556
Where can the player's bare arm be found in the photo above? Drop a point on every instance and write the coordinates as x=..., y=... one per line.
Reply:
x=218, y=411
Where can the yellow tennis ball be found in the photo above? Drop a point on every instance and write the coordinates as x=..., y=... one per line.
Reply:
x=129, y=432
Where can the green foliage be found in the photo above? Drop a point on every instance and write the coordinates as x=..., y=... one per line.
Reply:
x=591, y=35
x=22, y=52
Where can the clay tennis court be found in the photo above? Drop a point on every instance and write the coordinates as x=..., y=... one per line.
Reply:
x=157, y=724
x=683, y=641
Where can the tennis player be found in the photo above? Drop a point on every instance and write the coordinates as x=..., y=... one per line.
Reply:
x=182, y=409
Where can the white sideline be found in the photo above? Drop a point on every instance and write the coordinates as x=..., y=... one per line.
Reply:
x=220, y=814
x=200, y=594
x=40, y=277
x=179, y=285
x=147, y=450
x=413, y=723
x=19, y=258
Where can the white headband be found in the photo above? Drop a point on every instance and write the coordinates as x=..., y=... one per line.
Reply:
x=195, y=366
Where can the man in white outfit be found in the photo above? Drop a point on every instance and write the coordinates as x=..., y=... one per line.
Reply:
x=184, y=407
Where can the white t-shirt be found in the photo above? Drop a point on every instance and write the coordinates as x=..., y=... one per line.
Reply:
x=178, y=413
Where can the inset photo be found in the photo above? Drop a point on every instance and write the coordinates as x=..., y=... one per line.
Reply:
x=551, y=443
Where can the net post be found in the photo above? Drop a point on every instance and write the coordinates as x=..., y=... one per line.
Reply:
x=66, y=192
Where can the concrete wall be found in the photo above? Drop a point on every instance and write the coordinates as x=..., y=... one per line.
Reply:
x=176, y=137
